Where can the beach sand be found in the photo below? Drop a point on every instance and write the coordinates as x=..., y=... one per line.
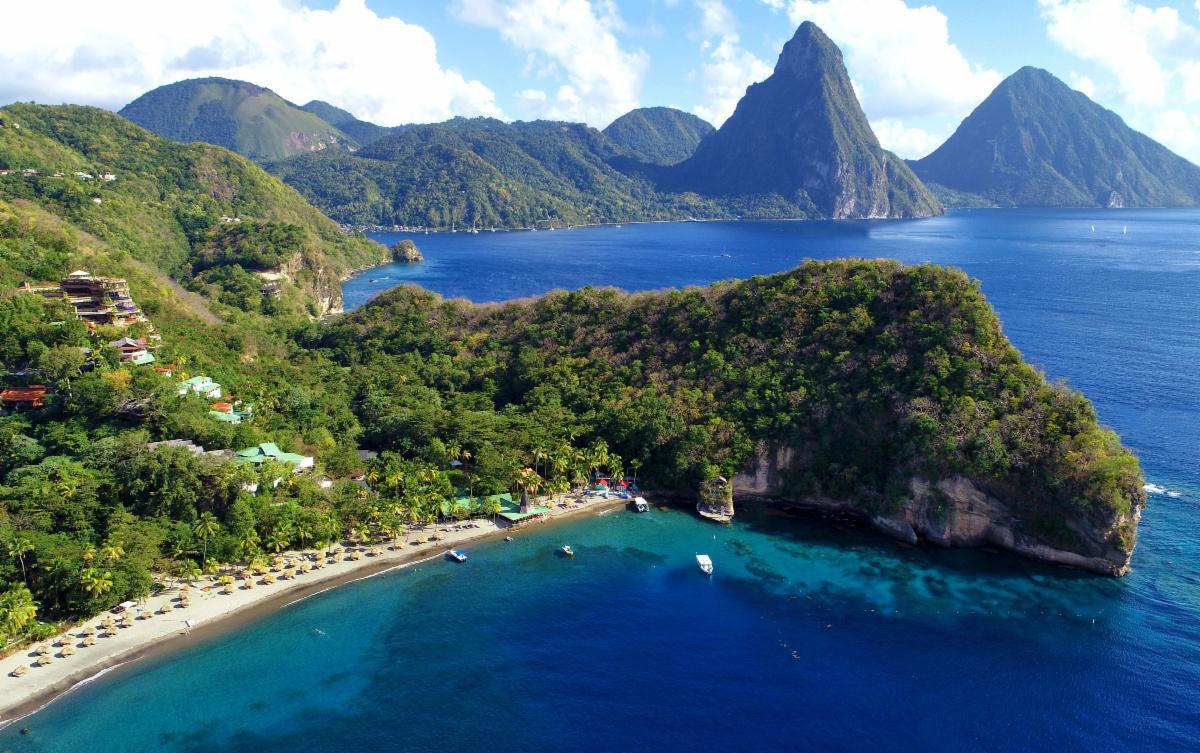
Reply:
x=215, y=612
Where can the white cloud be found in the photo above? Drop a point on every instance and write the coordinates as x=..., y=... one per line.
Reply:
x=728, y=68
x=1150, y=53
x=1139, y=45
x=576, y=39
x=379, y=68
x=1082, y=83
x=900, y=58
x=908, y=142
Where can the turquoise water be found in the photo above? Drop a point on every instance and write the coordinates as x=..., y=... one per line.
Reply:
x=813, y=633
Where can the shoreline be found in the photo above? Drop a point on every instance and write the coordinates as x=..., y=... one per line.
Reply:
x=166, y=633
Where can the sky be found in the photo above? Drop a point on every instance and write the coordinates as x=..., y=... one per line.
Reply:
x=919, y=69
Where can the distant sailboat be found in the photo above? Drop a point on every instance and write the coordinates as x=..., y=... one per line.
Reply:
x=1093, y=228
x=1124, y=230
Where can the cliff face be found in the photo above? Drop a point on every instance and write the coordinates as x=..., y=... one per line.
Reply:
x=318, y=282
x=955, y=512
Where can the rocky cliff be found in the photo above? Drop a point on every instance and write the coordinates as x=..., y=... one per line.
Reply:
x=955, y=512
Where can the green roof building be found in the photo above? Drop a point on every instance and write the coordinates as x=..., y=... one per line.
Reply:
x=270, y=451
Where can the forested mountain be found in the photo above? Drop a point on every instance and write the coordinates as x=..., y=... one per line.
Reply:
x=873, y=382
x=802, y=135
x=484, y=172
x=191, y=213
x=360, y=131
x=658, y=135
x=248, y=119
x=1036, y=142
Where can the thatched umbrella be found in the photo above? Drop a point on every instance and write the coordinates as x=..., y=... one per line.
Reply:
x=338, y=551
x=67, y=650
x=277, y=563
x=305, y=567
x=89, y=630
x=356, y=555
x=165, y=608
x=146, y=614
x=19, y=670
x=43, y=660
x=43, y=650
x=228, y=588
x=127, y=620
x=376, y=551
x=268, y=579
x=248, y=583
x=185, y=602
x=89, y=641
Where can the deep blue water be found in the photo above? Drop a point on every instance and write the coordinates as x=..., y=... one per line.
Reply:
x=813, y=634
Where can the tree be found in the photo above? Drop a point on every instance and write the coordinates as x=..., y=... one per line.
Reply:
x=112, y=551
x=206, y=527
x=249, y=541
x=96, y=582
x=18, y=548
x=17, y=609
x=60, y=364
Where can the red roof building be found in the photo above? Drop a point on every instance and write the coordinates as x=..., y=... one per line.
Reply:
x=23, y=398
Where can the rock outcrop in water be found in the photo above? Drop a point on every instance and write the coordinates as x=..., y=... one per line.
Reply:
x=716, y=500
x=406, y=252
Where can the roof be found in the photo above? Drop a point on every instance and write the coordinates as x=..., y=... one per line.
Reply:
x=196, y=381
x=228, y=418
x=128, y=342
x=143, y=359
x=21, y=393
x=510, y=509
x=268, y=451
x=223, y=407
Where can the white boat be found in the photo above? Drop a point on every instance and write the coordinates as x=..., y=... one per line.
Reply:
x=705, y=563
x=457, y=555
x=640, y=504
x=567, y=550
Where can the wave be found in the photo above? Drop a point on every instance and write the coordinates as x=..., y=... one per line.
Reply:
x=85, y=681
x=1161, y=491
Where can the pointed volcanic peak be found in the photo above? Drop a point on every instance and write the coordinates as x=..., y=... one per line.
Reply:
x=802, y=135
x=248, y=119
x=658, y=135
x=1036, y=142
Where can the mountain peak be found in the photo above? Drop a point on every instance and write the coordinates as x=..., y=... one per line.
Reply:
x=808, y=50
x=1034, y=141
x=801, y=135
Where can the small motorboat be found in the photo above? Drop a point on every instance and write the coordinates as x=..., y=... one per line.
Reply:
x=508, y=538
x=567, y=550
x=457, y=555
x=705, y=563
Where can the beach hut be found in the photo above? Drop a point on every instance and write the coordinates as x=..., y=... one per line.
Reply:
x=19, y=670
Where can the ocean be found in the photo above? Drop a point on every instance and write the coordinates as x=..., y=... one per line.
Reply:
x=813, y=633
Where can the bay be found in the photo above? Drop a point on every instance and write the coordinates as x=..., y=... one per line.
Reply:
x=813, y=633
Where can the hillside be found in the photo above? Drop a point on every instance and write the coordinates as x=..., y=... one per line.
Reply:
x=802, y=135
x=360, y=131
x=484, y=172
x=194, y=214
x=1036, y=142
x=242, y=117
x=658, y=135
x=886, y=390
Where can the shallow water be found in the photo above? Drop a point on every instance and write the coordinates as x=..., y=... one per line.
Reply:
x=813, y=633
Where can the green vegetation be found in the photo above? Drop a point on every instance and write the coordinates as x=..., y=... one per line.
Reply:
x=360, y=131
x=248, y=119
x=658, y=135
x=1036, y=142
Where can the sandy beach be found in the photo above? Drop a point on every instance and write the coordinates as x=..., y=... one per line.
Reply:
x=212, y=611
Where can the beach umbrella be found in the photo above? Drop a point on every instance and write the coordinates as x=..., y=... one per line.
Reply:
x=89, y=641
x=43, y=660
x=166, y=607
x=89, y=630
x=19, y=670
x=356, y=555
x=249, y=583
x=67, y=650
x=127, y=620
x=43, y=650
x=268, y=579
x=228, y=588
x=376, y=551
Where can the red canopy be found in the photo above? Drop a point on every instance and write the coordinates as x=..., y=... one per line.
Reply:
x=622, y=482
x=603, y=482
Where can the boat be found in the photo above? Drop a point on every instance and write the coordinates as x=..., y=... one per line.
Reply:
x=705, y=563
x=457, y=555
x=640, y=504
x=567, y=550
x=508, y=538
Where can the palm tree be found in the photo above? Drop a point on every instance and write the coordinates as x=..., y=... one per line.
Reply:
x=249, y=542
x=95, y=582
x=205, y=527
x=112, y=551
x=540, y=455
x=18, y=548
x=279, y=542
x=17, y=609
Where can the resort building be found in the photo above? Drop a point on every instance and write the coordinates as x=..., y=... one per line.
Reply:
x=200, y=385
x=23, y=398
x=230, y=413
x=96, y=300
x=510, y=509
x=132, y=351
x=270, y=451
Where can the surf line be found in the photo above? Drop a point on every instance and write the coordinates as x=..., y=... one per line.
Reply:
x=85, y=681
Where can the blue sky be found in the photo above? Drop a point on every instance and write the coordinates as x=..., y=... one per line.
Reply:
x=918, y=68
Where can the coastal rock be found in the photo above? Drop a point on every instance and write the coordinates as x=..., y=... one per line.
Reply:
x=951, y=512
x=406, y=252
x=716, y=500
